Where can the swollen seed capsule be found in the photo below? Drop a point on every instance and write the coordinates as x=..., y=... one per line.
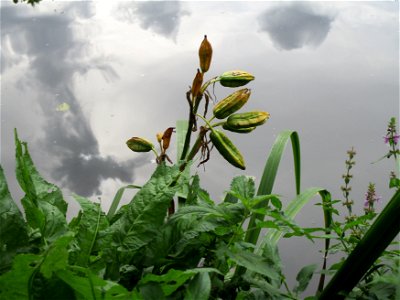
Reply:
x=238, y=130
x=226, y=148
x=196, y=85
x=205, y=55
x=137, y=144
x=235, y=78
x=247, y=119
x=231, y=104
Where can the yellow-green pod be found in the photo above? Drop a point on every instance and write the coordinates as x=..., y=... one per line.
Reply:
x=137, y=144
x=238, y=130
x=231, y=104
x=235, y=78
x=247, y=119
x=226, y=148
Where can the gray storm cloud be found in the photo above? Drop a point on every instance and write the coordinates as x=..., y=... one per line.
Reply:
x=293, y=26
x=161, y=17
x=55, y=55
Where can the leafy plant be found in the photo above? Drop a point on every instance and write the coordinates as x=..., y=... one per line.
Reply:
x=172, y=241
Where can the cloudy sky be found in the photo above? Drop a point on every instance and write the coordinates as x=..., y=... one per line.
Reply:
x=326, y=69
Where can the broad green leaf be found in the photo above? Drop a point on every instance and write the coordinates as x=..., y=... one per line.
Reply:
x=32, y=182
x=144, y=216
x=91, y=221
x=199, y=287
x=252, y=262
x=15, y=284
x=13, y=231
x=303, y=278
x=56, y=257
x=173, y=279
x=90, y=287
x=170, y=281
x=44, y=206
x=151, y=291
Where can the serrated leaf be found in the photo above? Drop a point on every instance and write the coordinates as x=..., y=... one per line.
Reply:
x=32, y=182
x=12, y=225
x=91, y=221
x=143, y=217
x=303, y=278
x=243, y=187
x=91, y=287
x=56, y=257
x=252, y=262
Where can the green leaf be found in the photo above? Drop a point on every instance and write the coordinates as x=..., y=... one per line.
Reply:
x=45, y=208
x=16, y=284
x=173, y=279
x=12, y=225
x=90, y=287
x=91, y=221
x=117, y=199
x=56, y=257
x=269, y=175
x=144, y=216
x=252, y=262
x=32, y=182
x=243, y=187
x=265, y=286
x=378, y=237
x=303, y=278
x=181, y=129
x=199, y=287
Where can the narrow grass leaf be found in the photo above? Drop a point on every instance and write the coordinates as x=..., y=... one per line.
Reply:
x=117, y=199
x=181, y=129
x=269, y=175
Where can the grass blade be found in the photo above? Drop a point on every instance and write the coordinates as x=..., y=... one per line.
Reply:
x=269, y=175
x=117, y=199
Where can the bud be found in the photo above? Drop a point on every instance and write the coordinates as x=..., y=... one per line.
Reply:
x=166, y=138
x=235, y=78
x=247, y=119
x=231, y=104
x=137, y=144
x=205, y=55
x=196, y=85
x=159, y=137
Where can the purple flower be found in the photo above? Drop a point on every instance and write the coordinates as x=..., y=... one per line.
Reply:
x=395, y=139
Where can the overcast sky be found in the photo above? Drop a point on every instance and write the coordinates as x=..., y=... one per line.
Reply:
x=326, y=69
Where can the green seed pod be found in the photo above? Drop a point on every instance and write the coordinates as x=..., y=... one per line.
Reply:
x=235, y=78
x=205, y=55
x=231, y=104
x=226, y=148
x=238, y=130
x=137, y=144
x=247, y=119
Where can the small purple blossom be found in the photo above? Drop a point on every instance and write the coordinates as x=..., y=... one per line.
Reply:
x=394, y=138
